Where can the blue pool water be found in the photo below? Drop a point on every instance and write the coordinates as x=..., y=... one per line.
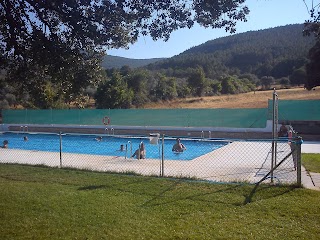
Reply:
x=110, y=145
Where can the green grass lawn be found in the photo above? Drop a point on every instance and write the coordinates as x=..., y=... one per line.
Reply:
x=50, y=203
x=311, y=161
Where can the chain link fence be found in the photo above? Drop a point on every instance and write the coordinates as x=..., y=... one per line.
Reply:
x=219, y=160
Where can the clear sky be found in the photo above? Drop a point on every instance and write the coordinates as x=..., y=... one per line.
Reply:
x=263, y=14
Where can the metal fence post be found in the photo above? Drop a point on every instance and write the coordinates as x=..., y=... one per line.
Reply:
x=60, y=137
x=162, y=158
x=274, y=132
x=298, y=143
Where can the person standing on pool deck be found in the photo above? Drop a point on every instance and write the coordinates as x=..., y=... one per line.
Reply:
x=178, y=146
x=283, y=131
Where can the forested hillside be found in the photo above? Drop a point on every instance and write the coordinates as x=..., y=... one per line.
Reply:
x=276, y=52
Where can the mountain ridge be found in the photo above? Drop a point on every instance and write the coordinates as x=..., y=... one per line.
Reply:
x=110, y=61
x=276, y=52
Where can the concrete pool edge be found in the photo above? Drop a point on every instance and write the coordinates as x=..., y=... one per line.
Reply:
x=201, y=132
x=198, y=132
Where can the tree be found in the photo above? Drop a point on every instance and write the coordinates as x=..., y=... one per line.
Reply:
x=285, y=82
x=227, y=85
x=313, y=67
x=114, y=93
x=63, y=41
x=197, y=81
x=312, y=26
x=298, y=77
x=216, y=87
x=266, y=82
x=137, y=81
x=166, y=88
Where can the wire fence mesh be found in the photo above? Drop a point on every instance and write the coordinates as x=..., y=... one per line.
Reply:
x=220, y=160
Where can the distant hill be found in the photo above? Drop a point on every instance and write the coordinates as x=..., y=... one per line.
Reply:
x=273, y=52
x=117, y=62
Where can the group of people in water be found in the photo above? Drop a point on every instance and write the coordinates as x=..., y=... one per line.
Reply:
x=140, y=153
x=178, y=147
x=5, y=143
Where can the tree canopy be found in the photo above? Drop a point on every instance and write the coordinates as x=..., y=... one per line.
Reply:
x=61, y=41
x=312, y=26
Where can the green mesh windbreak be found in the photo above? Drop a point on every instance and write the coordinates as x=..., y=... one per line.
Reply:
x=238, y=118
x=296, y=110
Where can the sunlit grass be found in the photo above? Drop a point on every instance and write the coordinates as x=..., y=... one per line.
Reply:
x=311, y=161
x=47, y=203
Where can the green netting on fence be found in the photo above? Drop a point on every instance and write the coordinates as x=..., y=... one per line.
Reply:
x=296, y=110
x=238, y=118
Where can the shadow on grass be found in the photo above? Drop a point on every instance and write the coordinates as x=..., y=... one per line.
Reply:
x=262, y=187
x=92, y=187
x=114, y=186
x=161, y=199
x=229, y=194
x=169, y=192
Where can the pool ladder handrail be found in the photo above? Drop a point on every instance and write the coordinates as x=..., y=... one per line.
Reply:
x=130, y=145
x=202, y=134
x=24, y=129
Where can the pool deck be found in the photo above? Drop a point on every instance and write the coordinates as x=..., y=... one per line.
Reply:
x=221, y=165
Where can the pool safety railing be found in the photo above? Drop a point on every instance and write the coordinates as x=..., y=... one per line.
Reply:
x=24, y=129
x=128, y=145
x=202, y=134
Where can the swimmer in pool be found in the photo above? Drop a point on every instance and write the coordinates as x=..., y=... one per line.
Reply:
x=178, y=147
x=121, y=148
x=5, y=144
x=140, y=153
x=99, y=139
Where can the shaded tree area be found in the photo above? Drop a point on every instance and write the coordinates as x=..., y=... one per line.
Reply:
x=312, y=27
x=7, y=97
x=51, y=51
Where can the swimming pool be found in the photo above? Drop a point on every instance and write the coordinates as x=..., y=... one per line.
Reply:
x=109, y=145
